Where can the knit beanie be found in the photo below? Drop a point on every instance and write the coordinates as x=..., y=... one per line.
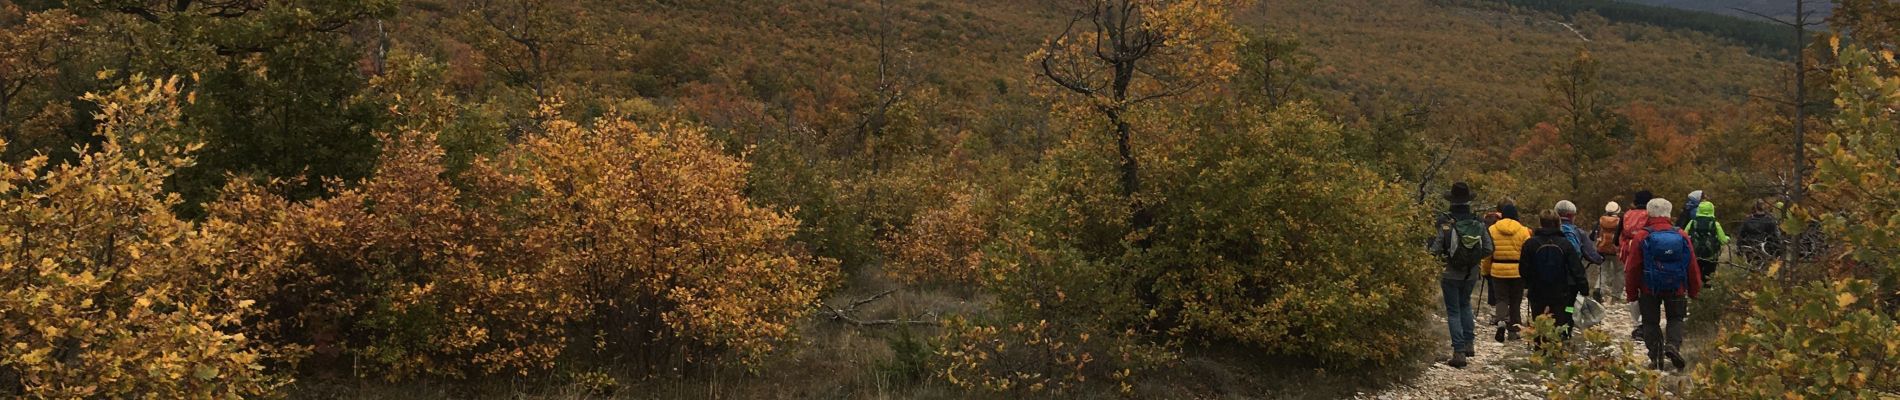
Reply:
x=1509, y=211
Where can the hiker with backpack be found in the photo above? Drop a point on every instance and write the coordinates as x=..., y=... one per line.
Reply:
x=1633, y=221
x=1661, y=274
x=1463, y=243
x=1508, y=235
x=1609, y=230
x=1760, y=237
x=1689, y=209
x=1709, y=239
x=1567, y=212
x=1553, y=270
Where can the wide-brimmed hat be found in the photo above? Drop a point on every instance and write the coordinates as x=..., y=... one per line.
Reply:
x=1460, y=193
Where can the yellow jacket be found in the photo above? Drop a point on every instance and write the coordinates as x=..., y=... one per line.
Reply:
x=1509, y=235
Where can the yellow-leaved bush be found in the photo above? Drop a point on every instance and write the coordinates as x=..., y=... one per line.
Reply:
x=577, y=242
x=649, y=228
x=104, y=293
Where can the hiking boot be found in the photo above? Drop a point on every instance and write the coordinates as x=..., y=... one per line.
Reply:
x=1637, y=334
x=1675, y=360
x=1500, y=335
x=1469, y=353
x=1457, y=360
x=1597, y=295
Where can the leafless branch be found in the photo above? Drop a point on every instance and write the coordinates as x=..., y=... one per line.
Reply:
x=845, y=314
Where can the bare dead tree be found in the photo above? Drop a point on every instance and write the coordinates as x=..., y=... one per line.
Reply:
x=1803, y=19
x=1120, y=47
x=895, y=78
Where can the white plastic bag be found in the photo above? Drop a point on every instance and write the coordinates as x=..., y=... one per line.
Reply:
x=1589, y=312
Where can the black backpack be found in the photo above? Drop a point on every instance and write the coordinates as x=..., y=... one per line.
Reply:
x=1702, y=232
x=1549, y=264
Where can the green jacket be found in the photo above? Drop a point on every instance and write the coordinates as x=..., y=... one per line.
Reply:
x=1707, y=209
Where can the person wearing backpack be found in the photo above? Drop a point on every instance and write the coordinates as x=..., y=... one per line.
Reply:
x=1553, y=270
x=1634, y=220
x=1609, y=230
x=1709, y=239
x=1661, y=274
x=1760, y=236
x=1509, y=236
x=1567, y=212
x=1689, y=208
x=1463, y=242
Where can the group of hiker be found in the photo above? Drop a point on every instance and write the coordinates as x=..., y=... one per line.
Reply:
x=1664, y=258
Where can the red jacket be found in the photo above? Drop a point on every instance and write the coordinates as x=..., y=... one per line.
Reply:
x=1633, y=261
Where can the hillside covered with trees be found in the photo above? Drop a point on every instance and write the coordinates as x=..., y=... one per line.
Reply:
x=897, y=198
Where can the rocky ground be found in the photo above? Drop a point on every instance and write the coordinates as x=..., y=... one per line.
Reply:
x=1500, y=371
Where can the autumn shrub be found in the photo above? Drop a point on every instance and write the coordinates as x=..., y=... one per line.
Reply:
x=651, y=230
x=1259, y=240
x=1266, y=239
x=401, y=274
x=1818, y=340
x=598, y=243
x=1592, y=364
x=940, y=245
x=104, y=292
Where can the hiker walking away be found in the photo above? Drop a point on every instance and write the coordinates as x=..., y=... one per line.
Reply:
x=1709, y=239
x=1553, y=270
x=1567, y=212
x=1661, y=275
x=1759, y=237
x=1609, y=277
x=1463, y=243
x=1509, y=236
x=1689, y=209
x=1634, y=220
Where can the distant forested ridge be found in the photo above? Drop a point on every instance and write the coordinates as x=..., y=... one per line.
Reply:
x=1765, y=38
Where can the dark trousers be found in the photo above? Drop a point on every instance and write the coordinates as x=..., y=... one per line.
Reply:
x=1556, y=306
x=1510, y=305
x=1657, y=308
x=1708, y=268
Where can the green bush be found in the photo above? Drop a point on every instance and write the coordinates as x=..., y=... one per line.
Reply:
x=1263, y=238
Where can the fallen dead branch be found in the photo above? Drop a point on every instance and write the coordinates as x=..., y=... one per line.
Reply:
x=845, y=314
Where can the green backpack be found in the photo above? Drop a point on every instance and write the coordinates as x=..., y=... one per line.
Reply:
x=1467, y=236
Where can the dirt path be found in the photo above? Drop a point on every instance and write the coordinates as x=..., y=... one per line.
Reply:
x=1500, y=371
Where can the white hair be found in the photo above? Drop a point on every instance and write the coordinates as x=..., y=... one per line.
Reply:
x=1566, y=207
x=1660, y=208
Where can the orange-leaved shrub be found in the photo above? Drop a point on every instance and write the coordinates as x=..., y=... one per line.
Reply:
x=578, y=242
x=104, y=293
